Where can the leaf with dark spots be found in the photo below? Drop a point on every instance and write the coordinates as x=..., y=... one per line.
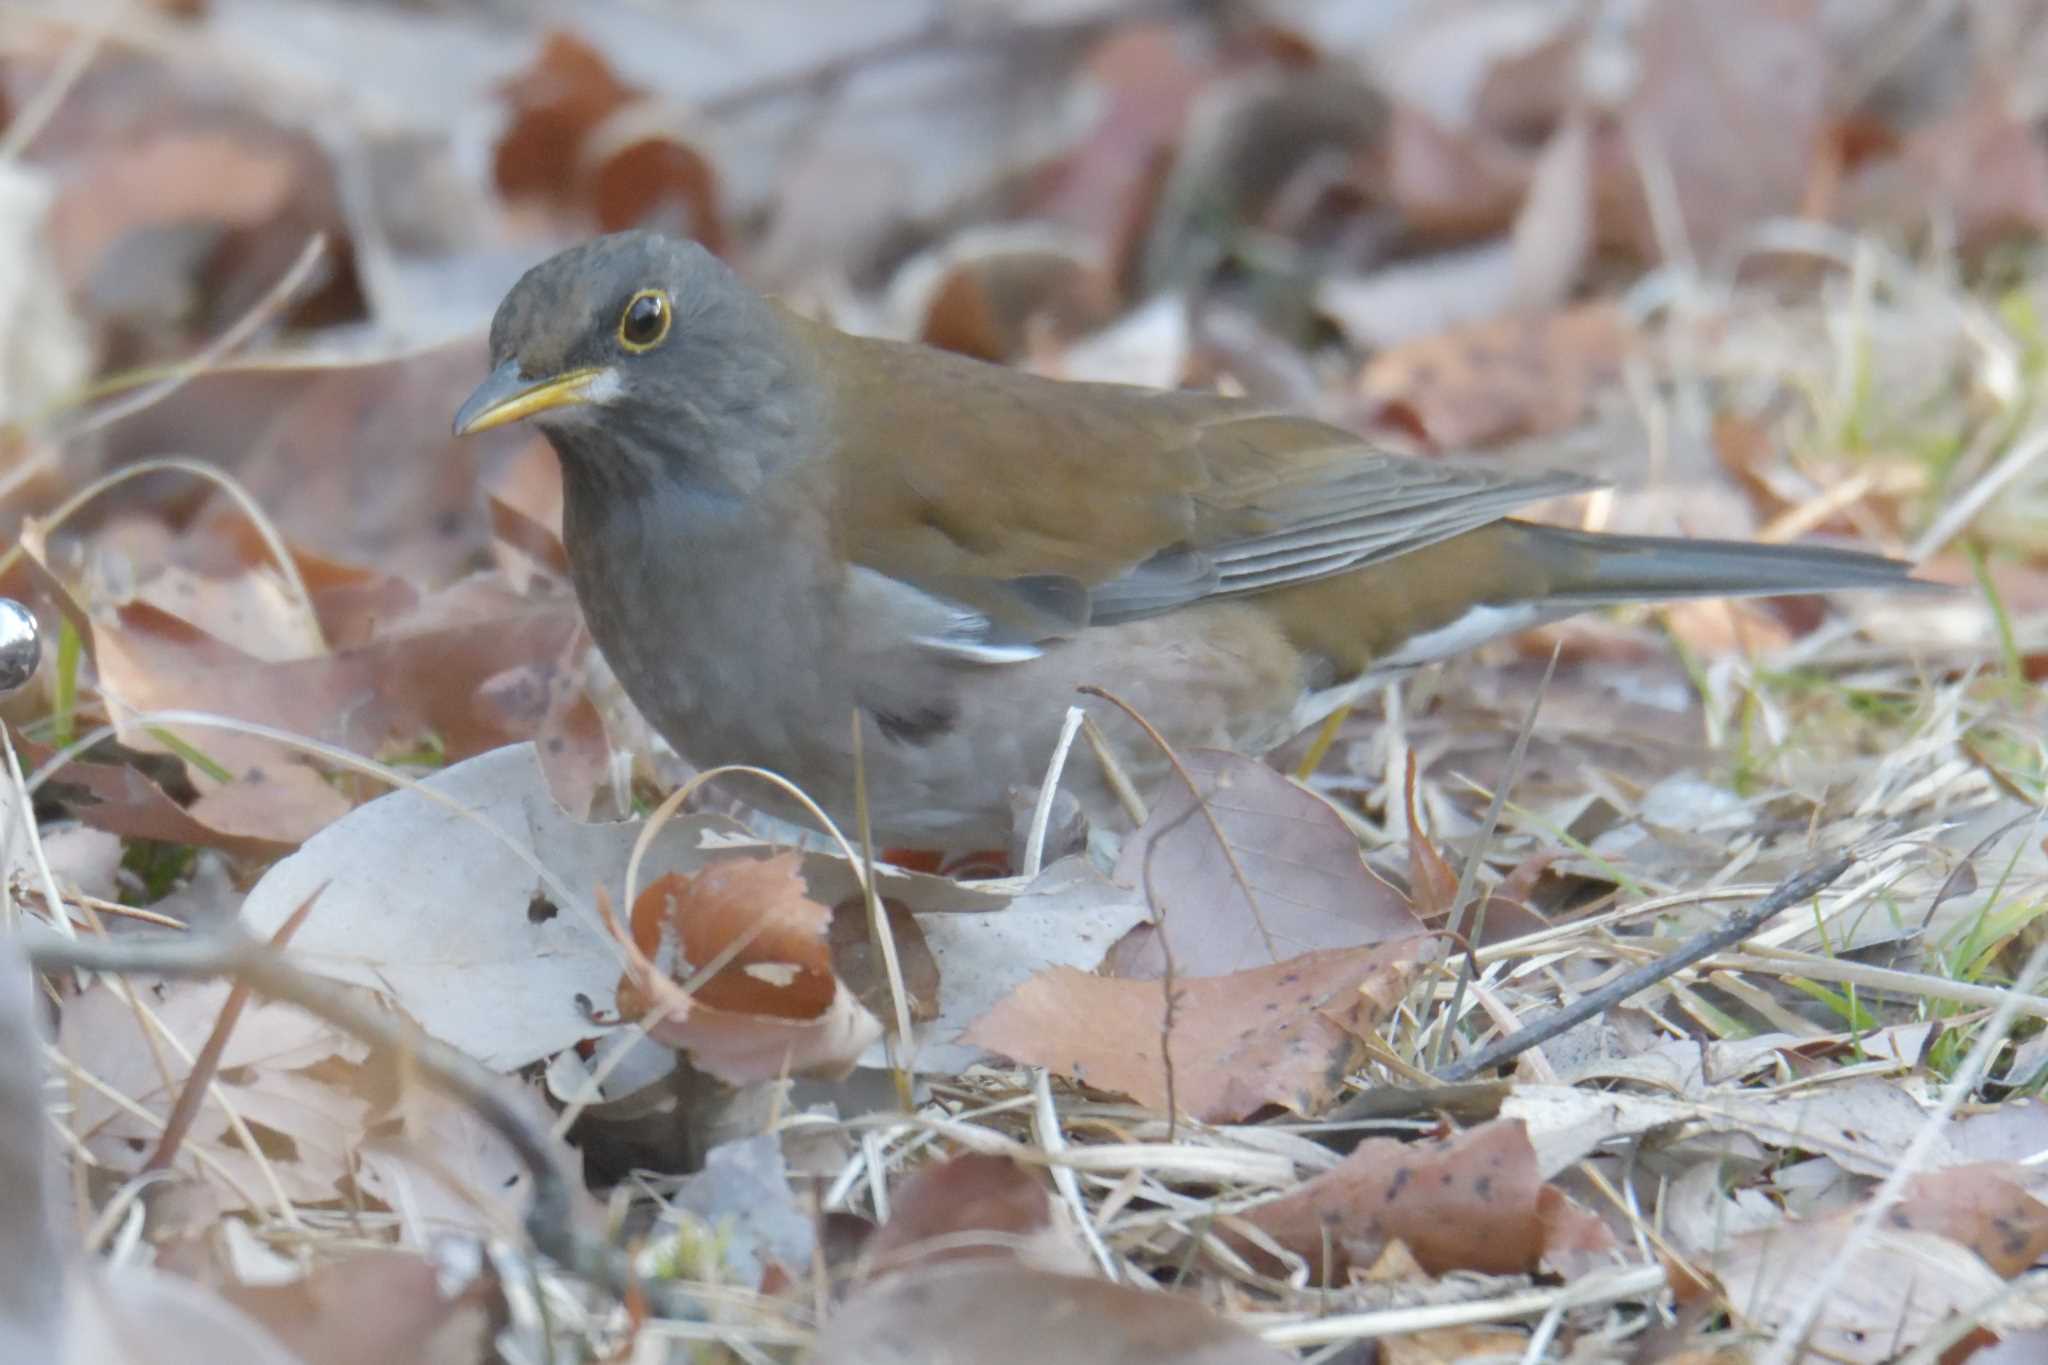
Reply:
x=1382, y=1193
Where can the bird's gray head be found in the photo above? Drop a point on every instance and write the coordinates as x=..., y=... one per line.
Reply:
x=640, y=355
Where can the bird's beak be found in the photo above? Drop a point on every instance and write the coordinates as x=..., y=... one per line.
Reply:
x=508, y=396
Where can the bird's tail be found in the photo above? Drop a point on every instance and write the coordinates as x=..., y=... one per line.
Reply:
x=1592, y=569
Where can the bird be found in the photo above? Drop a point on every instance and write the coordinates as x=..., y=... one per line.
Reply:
x=865, y=563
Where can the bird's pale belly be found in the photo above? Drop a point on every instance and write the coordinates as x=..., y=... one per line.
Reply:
x=949, y=749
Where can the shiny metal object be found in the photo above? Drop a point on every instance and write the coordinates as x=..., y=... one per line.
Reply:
x=21, y=645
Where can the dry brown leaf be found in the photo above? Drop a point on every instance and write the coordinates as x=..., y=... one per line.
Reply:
x=580, y=138
x=1453, y=184
x=421, y=679
x=123, y=800
x=1493, y=381
x=1985, y=1207
x=857, y=960
x=774, y=1006
x=1108, y=186
x=554, y=104
x=1729, y=110
x=1000, y=303
x=1310, y=888
x=1453, y=1346
x=1001, y=1313
x=1283, y=1035
x=351, y=460
x=971, y=1207
x=1899, y=1286
x=386, y=1306
x=1469, y=1202
x=1982, y=168
x=181, y=201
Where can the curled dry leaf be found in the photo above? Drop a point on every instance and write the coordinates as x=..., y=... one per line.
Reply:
x=579, y=137
x=771, y=1005
x=124, y=800
x=1310, y=888
x=1470, y=1202
x=1492, y=381
x=1282, y=1035
x=1002, y=1313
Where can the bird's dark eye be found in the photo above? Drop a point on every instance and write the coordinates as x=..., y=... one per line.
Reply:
x=644, y=324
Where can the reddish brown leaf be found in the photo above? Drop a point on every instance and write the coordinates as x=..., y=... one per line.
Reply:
x=1283, y=1035
x=555, y=103
x=353, y=461
x=124, y=801
x=1983, y=1206
x=1001, y=1313
x=964, y=1208
x=1432, y=882
x=773, y=1006
x=1470, y=1202
x=635, y=172
x=1493, y=381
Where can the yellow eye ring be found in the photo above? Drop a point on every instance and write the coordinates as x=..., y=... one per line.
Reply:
x=643, y=325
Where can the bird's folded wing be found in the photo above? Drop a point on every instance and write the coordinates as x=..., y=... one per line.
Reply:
x=1041, y=508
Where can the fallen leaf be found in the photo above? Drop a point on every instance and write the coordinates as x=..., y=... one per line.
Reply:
x=1283, y=1035
x=857, y=960
x=1984, y=1207
x=745, y=1197
x=270, y=1071
x=1468, y=1202
x=1980, y=169
x=1310, y=889
x=348, y=459
x=1492, y=381
x=1069, y=916
x=376, y=1305
x=1452, y=184
x=132, y=1315
x=554, y=104
x=637, y=171
x=969, y=1207
x=1728, y=117
x=1453, y=1346
x=1001, y=1313
x=123, y=800
x=772, y=1006
x=1899, y=1287
x=419, y=680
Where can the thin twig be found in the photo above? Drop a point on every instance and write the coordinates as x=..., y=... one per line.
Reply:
x=1739, y=926
x=200, y=1078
